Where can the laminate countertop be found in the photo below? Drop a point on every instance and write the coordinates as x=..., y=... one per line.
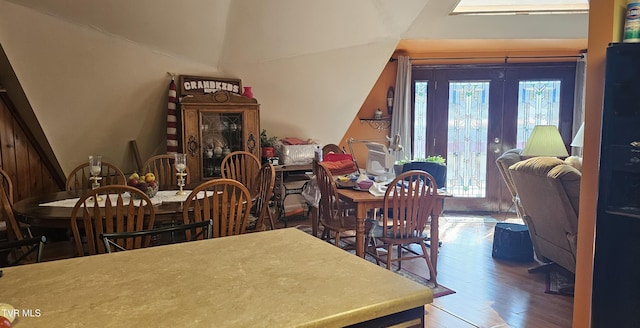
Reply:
x=279, y=278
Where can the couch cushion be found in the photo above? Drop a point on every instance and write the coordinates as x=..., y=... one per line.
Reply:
x=574, y=161
x=570, y=178
x=538, y=165
x=555, y=168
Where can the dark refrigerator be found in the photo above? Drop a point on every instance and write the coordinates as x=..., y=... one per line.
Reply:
x=616, y=272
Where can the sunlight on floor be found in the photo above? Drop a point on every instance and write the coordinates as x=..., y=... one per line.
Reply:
x=450, y=229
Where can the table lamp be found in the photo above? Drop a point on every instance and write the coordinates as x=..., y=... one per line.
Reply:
x=578, y=140
x=545, y=140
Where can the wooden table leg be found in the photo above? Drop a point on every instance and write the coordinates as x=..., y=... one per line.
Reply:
x=435, y=237
x=314, y=221
x=360, y=217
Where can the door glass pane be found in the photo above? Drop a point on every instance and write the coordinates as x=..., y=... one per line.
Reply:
x=467, y=138
x=420, y=120
x=538, y=104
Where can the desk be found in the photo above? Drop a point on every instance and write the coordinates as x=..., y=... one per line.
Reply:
x=223, y=282
x=29, y=210
x=365, y=201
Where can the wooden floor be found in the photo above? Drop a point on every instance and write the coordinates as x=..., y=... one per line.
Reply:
x=489, y=292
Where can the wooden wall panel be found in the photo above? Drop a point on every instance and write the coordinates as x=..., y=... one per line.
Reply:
x=19, y=156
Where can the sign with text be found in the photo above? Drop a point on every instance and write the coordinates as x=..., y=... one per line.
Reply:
x=198, y=85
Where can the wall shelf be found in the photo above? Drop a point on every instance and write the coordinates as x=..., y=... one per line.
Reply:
x=379, y=124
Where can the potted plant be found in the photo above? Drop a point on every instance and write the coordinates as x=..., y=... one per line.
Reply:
x=436, y=165
x=398, y=166
x=267, y=144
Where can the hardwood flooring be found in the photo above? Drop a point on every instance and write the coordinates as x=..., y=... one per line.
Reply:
x=489, y=292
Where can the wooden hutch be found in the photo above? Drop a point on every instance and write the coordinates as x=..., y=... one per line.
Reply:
x=215, y=124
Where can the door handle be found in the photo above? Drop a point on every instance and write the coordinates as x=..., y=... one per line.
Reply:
x=497, y=149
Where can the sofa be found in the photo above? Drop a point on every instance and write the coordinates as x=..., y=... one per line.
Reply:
x=549, y=192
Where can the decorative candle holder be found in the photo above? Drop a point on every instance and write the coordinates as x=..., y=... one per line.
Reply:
x=181, y=183
x=95, y=167
x=181, y=167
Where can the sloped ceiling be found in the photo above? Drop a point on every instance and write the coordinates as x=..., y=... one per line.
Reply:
x=196, y=29
x=192, y=30
x=311, y=63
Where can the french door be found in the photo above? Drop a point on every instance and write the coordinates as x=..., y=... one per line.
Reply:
x=472, y=114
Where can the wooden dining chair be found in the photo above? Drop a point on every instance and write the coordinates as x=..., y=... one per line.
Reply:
x=331, y=215
x=332, y=148
x=241, y=166
x=78, y=179
x=114, y=213
x=7, y=185
x=264, y=191
x=408, y=203
x=164, y=168
x=17, y=240
x=225, y=201
x=8, y=219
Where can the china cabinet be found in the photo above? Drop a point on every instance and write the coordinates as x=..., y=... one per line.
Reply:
x=215, y=124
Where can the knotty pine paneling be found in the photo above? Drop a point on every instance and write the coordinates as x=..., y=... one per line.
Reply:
x=19, y=156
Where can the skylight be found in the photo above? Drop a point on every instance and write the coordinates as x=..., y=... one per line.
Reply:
x=505, y=7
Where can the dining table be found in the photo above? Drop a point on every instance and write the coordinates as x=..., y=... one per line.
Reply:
x=230, y=281
x=365, y=201
x=53, y=210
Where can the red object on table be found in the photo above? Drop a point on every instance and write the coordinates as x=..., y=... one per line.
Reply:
x=339, y=164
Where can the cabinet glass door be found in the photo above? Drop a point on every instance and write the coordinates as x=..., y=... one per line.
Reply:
x=221, y=135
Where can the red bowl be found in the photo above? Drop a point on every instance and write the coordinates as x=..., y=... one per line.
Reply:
x=365, y=184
